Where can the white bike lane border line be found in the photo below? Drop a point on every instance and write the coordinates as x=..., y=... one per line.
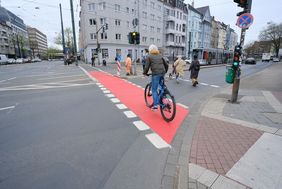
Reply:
x=153, y=137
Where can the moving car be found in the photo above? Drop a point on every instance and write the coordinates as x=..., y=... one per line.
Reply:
x=250, y=60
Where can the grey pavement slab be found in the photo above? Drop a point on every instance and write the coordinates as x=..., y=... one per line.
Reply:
x=261, y=166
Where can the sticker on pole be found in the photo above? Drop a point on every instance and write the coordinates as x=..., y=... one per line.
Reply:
x=245, y=20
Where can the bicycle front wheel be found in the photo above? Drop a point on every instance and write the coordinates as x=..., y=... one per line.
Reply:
x=168, y=107
x=148, y=95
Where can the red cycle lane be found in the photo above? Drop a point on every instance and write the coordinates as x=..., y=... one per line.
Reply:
x=133, y=97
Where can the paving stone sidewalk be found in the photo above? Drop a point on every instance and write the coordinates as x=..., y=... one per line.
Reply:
x=225, y=132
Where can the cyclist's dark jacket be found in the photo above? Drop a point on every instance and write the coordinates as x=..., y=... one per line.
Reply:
x=156, y=63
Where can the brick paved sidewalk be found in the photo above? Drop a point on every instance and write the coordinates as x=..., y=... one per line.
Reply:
x=226, y=132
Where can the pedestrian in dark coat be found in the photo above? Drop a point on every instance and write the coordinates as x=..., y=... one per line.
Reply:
x=194, y=68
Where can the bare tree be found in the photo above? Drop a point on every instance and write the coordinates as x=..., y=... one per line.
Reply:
x=33, y=45
x=272, y=33
x=68, y=39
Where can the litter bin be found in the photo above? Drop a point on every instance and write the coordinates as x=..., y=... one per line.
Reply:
x=230, y=74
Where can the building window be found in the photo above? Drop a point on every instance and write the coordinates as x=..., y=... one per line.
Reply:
x=152, y=40
x=144, y=27
x=159, y=30
x=181, y=16
x=159, y=18
x=127, y=9
x=152, y=5
x=127, y=23
x=117, y=7
x=118, y=36
x=144, y=14
x=144, y=39
x=152, y=28
x=102, y=6
x=152, y=17
x=103, y=21
x=159, y=7
x=91, y=7
x=145, y=2
x=176, y=27
x=132, y=11
x=93, y=36
x=158, y=41
x=104, y=35
x=117, y=22
x=92, y=21
x=105, y=53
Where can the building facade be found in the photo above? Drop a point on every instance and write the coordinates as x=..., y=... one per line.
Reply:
x=6, y=46
x=119, y=15
x=194, y=30
x=18, y=38
x=175, y=32
x=37, y=42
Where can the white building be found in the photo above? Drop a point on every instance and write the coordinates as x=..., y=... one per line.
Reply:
x=119, y=15
x=175, y=20
x=194, y=30
x=37, y=42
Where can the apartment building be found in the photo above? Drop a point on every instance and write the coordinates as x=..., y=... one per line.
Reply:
x=17, y=37
x=175, y=32
x=194, y=30
x=5, y=42
x=37, y=42
x=119, y=15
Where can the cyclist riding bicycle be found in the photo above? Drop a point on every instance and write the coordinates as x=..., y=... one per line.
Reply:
x=158, y=67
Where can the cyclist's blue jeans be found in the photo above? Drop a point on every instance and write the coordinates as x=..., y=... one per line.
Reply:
x=155, y=83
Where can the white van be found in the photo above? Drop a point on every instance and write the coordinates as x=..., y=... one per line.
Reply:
x=3, y=59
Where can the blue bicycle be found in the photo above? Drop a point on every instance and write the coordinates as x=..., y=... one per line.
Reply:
x=167, y=101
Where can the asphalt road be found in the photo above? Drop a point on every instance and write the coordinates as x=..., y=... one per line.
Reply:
x=58, y=130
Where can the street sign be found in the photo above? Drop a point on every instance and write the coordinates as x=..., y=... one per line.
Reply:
x=245, y=20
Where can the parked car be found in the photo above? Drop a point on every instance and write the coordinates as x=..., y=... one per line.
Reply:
x=3, y=59
x=11, y=61
x=275, y=59
x=19, y=60
x=250, y=60
x=36, y=60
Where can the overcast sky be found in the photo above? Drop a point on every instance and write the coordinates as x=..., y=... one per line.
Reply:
x=47, y=17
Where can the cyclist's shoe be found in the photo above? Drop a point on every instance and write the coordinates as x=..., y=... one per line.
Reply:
x=154, y=108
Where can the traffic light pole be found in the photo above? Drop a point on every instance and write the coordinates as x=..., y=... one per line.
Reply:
x=236, y=84
x=73, y=30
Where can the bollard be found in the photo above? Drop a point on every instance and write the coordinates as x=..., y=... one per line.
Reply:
x=118, y=68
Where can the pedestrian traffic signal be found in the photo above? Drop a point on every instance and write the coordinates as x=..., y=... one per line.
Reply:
x=237, y=55
x=136, y=37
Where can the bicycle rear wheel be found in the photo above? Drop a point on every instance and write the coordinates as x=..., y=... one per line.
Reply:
x=148, y=95
x=168, y=107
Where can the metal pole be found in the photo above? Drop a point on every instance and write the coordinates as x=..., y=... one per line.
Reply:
x=73, y=30
x=63, y=33
x=98, y=46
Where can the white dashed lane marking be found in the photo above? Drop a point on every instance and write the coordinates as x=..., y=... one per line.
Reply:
x=129, y=114
x=107, y=91
x=205, y=84
x=157, y=141
x=121, y=106
x=141, y=126
x=110, y=95
x=115, y=100
x=216, y=86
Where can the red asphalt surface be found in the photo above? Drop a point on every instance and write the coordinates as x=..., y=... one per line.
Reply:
x=133, y=97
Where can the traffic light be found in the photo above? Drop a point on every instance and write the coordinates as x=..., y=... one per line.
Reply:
x=130, y=38
x=236, y=59
x=245, y=4
x=134, y=38
x=106, y=26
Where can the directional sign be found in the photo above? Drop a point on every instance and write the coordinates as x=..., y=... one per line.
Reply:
x=245, y=20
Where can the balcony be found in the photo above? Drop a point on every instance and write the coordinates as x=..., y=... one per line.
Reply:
x=170, y=30
x=170, y=43
x=170, y=18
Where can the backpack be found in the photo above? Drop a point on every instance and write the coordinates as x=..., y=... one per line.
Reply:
x=197, y=66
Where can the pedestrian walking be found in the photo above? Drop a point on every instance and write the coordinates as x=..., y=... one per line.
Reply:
x=128, y=64
x=179, y=66
x=144, y=59
x=159, y=67
x=93, y=60
x=194, y=68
